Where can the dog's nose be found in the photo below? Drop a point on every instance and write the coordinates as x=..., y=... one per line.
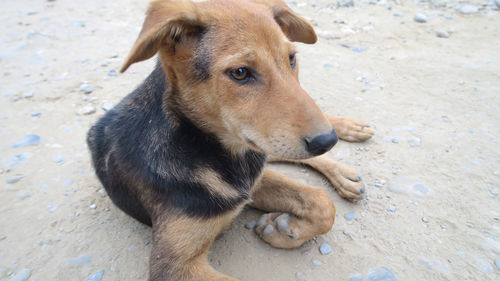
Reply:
x=322, y=143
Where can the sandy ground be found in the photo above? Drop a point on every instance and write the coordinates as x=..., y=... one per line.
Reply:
x=432, y=169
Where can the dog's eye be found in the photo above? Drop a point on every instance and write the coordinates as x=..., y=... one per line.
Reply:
x=293, y=60
x=240, y=74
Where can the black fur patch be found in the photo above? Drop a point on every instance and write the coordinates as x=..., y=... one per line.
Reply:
x=202, y=58
x=141, y=159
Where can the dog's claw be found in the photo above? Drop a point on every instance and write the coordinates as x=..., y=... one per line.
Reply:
x=282, y=222
x=268, y=230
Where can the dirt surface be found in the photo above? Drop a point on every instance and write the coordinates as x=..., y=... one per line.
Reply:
x=432, y=169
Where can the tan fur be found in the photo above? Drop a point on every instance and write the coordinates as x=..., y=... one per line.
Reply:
x=272, y=116
x=181, y=243
x=312, y=211
x=215, y=184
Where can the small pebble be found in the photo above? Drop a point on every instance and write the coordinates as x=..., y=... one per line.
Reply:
x=468, y=9
x=392, y=208
x=398, y=14
x=424, y=219
x=356, y=277
x=325, y=249
x=420, y=18
x=14, y=179
x=327, y=64
x=349, y=216
x=93, y=206
x=359, y=49
x=345, y=3
x=414, y=142
x=107, y=106
x=22, y=275
x=24, y=196
x=83, y=260
x=112, y=73
x=395, y=140
x=87, y=110
x=442, y=34
x=32, y=12
x=495, y=191
x=317, y=262
x=250, y=224
x=381, y=274
x=28, y=140
x=102, y=192
x=378, y=185
x=96, y=276
x=86, y=89
x=28, y=95
x=36, y=113
x=58, y=159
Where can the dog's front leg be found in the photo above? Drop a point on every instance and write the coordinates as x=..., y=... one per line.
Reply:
x=351, y=130
x=344, y=179
x=180, y=246
x=298, y=213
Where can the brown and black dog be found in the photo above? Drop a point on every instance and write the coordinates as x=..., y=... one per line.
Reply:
x=185, y=151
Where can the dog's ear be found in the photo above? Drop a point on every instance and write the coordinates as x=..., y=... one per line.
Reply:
x=166, y=23
x=295, y=28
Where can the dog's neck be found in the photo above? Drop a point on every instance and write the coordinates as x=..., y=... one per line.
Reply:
x=199, y=146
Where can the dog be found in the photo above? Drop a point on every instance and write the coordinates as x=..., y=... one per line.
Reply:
x=186, y=150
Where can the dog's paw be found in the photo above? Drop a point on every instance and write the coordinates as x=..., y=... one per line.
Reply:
x=279, y=229
x=352, y=130
x=346, y=181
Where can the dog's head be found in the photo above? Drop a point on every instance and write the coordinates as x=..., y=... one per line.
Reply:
x=233, y=71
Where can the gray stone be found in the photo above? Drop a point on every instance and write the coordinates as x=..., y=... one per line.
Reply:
x=497, y=263
x=24, y=196
x=28, y=95
x=36, y=113
x=107, y=106
x=96, y=276
x=22, y=275
x=31, y=12
x=349, y=216
x=58, y=159
x=250, y=224
x=345, y=3
x=87, y=110
x=420, y=18
x=14, y=179
x=359, y=49
x=468, y=9
x=86, y=89
x=325, y=249
x=28, y=140
x=356, y=277
x=414, y=142
x=497, y=2
x=381, y=274
x=317, y=262
x=83, y=260
x=398, y=14
x=112, y=73
x=442, y=34
x=395, y=140
x=392, y=208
